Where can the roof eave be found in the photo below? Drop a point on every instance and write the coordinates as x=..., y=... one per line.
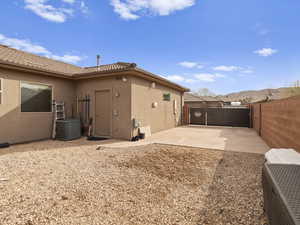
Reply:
x=95, y=74
x=161, y=80
x=133, y=71
x=23, y=68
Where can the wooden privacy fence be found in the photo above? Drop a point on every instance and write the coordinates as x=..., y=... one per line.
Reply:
x=186, y=115
x=278, y=122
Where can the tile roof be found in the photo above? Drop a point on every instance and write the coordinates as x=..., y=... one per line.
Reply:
x=17, y=58
x=119, y=66
x=21, y=58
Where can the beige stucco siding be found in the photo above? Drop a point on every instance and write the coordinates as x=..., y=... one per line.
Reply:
x=120, y=98
x=160, y=118
x=130, y=99
x=17, y=126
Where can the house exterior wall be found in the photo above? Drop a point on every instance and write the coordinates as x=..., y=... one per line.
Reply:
x=160, y=118
x=130, y=99
x=203, y=104
x=17, y=126
x=121, y=105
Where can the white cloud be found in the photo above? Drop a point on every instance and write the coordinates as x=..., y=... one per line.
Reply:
x=24, y=45
x=134, y=9
x=84, y=9
x=266, y=52
x=123, y=10
x=199, y=77
x=226, y=68
x=208, y=77
x=44, y=9
x=27, y=46
x=69, y=1
x=175, y=78
x=48, y=12
x=248, y=71
x=179, y=78
x=190, y=65
x=190, y=81
x=219, y=75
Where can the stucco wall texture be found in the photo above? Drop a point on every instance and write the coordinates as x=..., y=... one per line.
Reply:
x=17, y=126
x=158, y=118
x=278, y=122
x=130, y=99
x=120, y=98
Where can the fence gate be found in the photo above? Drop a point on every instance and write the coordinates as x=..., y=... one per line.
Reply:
x=233, y=117
x=198, y=116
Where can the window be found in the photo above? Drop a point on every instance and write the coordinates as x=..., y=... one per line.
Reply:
x=1, y=91
x=36, y=97
x=167, y=97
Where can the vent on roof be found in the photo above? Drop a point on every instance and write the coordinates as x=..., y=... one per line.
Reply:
x=98, y=61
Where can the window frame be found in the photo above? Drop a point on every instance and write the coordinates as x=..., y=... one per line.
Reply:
x=167, y=99
x=36, y=83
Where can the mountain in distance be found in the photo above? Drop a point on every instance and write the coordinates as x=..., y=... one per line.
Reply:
x=245, y=97
x=254, y=95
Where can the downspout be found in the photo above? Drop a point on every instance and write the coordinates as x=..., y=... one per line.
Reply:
x=131, y=109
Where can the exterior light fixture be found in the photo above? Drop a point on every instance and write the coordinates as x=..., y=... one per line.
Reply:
x=154, y=105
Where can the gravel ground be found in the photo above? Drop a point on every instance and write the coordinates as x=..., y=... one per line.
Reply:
x=67, y=183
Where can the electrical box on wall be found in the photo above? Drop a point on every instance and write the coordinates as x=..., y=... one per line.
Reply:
x=115, y=112
x=136, y=123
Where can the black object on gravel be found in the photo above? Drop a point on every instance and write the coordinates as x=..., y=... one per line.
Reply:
x=4, y=145
x=92, y=138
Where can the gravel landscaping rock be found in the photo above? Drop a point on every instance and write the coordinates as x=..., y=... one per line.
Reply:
x=153, y=184
x=235, y=196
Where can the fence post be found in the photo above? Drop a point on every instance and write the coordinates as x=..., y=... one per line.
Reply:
x=251, y=116
x=260, y=119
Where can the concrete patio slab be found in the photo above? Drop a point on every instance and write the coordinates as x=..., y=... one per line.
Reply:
x=221, y=138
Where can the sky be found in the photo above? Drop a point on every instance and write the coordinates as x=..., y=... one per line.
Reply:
x=225, y=46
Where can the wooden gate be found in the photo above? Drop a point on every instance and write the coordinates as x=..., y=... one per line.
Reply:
x=233, y=117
